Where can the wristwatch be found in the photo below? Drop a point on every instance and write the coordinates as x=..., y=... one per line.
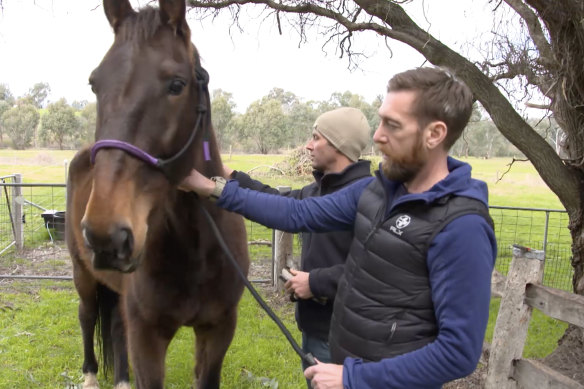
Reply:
x=219, y=185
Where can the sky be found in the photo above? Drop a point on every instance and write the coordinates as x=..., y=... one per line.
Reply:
x=61, y=41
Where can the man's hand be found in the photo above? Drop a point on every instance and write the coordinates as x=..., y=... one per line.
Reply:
x=298, y=285
x=198, y=183
x=325, y=376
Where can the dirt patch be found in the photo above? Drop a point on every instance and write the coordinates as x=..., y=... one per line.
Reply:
x=48, y=260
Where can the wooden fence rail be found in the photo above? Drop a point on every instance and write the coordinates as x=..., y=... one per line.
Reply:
x=520, y=292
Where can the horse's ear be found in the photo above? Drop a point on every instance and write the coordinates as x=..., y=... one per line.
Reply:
x=172, y=12
x=116, y=11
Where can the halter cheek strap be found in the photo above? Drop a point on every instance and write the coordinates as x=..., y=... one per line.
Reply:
x=202, y=79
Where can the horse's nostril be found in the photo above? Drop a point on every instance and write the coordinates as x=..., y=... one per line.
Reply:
x=123, y=242
x=118, y=243
x=87, y=237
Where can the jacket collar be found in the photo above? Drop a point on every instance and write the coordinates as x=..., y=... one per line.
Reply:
x=357, y=170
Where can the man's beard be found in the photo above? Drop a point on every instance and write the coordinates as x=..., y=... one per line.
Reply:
x=406, y=168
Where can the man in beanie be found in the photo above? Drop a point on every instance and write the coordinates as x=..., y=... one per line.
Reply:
x=412, y=306
x=338, y=139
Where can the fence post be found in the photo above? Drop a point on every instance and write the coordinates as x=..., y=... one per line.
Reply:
x=513, y=318
x=17, y=225
x=282, y=250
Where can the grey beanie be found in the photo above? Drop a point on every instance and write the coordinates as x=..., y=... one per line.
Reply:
x=346, y=129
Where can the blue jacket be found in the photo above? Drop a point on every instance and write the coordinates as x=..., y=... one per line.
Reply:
x=460, y=260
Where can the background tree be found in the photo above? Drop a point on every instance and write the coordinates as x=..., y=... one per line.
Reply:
x=87, y=123
x=59, y=123
x=4, y=106
x=39, y=93
x=20, y=122
x=6, y=95
x=542, y=55
x=78, y=105
x=301, y=117
x=263, y=126
x=6, y=102
x=222, y=111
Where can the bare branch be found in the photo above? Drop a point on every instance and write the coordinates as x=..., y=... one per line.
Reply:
x=538, y=106
x=510, y=165
x=535, y=30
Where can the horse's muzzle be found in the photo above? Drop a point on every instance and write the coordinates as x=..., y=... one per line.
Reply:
x=111, y=251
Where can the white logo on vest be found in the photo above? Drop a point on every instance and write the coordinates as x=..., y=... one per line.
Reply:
x=402, y=222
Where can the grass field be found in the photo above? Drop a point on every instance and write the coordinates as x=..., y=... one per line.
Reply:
x=40, y=342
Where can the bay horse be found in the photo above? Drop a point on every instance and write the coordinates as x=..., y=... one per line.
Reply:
x=145, y=261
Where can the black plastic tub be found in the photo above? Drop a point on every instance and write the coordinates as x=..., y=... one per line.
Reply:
x=55, y=223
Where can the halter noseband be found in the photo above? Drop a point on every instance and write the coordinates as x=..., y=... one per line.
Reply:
x=202, y=79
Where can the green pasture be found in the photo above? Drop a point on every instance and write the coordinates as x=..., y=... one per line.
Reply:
x=40, y=344
x=40, y=341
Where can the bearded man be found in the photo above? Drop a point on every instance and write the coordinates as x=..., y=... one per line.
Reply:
x=412, y=306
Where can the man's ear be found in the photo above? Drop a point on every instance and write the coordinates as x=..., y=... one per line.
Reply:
x=435, y=134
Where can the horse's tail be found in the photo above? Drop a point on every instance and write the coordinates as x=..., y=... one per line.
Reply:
x=107, y=301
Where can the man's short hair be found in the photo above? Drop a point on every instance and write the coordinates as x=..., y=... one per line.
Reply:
x=440, y=96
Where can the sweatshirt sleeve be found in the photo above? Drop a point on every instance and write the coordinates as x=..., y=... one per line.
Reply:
x=245, y=181
x=460, y=262
x=324, y=281
x=333, y=212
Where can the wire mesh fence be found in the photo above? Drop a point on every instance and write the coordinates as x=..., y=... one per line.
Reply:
x=540, y=229
x=32, y=215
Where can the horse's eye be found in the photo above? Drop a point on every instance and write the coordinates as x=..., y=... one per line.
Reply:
x=176, y=86
x=92, y=86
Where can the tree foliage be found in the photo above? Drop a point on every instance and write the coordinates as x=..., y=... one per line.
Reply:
x=59, y=123
x=222, y=111
x=6, y=95
x=263, y=128
x=20, y=123
x=38, y=93
x=87, y=124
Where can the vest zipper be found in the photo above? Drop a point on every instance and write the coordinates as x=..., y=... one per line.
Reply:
x=392, y=331
x=376, y=224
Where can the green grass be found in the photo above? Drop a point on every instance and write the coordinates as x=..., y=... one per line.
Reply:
x=40, y=338
x=40, y=344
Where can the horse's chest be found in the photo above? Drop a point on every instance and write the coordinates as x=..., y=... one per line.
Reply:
x=184, y=300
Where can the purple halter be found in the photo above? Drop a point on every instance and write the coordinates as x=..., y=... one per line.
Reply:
x=202, y=78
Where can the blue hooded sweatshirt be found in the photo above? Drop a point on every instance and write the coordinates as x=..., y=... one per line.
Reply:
x=460, y=262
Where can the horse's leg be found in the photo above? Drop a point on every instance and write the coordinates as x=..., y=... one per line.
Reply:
x=86, y=287
x=147, y=344
x=212, y=344
x=121, y=374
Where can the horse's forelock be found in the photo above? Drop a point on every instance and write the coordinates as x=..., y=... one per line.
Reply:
x=142, y=26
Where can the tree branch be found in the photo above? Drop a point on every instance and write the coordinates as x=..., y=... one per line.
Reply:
x=538, y=106
x=535, y=31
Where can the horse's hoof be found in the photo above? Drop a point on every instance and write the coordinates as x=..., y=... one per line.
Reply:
x=90, y=381
x=123, y=385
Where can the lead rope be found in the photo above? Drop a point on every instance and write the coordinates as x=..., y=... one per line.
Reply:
x=306, y=357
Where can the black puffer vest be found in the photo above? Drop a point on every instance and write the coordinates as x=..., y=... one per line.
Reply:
x=383, y=306
x=323, y=254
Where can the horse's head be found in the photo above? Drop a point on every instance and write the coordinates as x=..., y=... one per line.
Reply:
x=151, y=95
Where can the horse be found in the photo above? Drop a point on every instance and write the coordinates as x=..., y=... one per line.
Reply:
x=145, y=261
